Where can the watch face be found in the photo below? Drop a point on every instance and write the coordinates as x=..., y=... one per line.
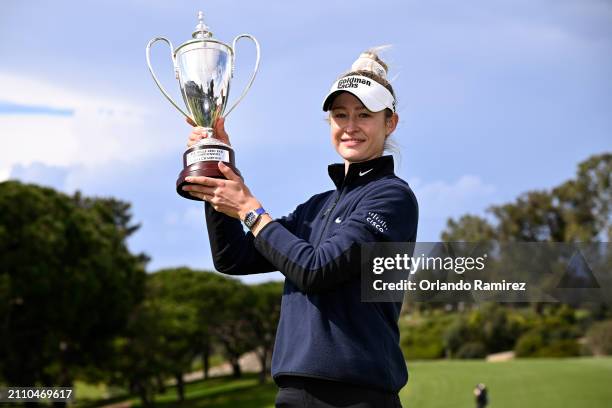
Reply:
x=250, y=218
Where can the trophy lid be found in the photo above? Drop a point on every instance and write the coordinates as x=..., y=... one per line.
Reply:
x=201, y=37
x=201, y=30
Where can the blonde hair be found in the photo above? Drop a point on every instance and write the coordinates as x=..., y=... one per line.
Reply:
x=369, y=64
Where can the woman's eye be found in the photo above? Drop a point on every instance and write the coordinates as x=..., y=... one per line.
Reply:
x=364, y=115
x=339, y=115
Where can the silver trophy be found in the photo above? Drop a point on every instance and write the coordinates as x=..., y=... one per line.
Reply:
x=204, y=68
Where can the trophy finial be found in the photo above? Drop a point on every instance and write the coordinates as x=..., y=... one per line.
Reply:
x=201, y=30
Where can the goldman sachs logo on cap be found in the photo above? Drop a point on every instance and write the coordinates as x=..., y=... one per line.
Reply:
x=352, y=82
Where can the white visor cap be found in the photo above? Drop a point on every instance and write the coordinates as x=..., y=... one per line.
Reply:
x=373, y=95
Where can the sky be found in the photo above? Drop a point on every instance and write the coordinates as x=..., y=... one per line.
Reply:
x=495, y=98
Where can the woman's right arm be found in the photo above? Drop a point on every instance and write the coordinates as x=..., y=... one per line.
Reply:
x=232, y=248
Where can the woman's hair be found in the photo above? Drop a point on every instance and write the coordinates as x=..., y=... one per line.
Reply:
x=370, y=65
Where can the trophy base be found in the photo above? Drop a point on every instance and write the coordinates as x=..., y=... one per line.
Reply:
x=206, y=168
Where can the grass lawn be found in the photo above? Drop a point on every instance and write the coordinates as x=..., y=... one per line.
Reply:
x=224, y=392
x=541, y=383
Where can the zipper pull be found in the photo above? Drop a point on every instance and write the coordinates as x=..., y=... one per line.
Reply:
x=330, y=209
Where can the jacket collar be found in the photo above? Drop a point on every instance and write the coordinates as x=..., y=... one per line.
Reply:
x=360, y=173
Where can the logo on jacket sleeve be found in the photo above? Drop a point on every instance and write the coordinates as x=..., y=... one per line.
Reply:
x=377, y=221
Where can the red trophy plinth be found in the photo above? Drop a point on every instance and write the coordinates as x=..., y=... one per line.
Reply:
x=203, y=159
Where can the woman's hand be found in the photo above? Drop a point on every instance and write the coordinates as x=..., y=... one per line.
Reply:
x=198, y=132
x=231, y=196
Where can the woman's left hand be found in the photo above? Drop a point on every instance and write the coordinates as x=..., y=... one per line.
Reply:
x=231, y=197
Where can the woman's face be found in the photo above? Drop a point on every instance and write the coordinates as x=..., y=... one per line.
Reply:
x=356, y=133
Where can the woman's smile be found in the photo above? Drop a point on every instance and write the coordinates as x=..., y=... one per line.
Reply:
x=351, y=141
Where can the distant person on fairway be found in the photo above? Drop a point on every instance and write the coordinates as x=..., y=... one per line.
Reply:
x=482, y=399
x=331, y=349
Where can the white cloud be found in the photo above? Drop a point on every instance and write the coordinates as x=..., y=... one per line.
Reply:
x=4, y=174
x=46, y=139
x=101, y=130
x=32, y=91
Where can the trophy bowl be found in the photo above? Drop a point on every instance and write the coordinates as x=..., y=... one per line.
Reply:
x=204, y=68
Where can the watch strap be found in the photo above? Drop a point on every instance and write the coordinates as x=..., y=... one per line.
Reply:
x=252, y=217
x=260, y=211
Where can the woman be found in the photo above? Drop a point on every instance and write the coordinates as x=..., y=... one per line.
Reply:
x=331, y=349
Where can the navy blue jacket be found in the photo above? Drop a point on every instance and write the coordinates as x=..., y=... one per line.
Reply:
x=325, y=331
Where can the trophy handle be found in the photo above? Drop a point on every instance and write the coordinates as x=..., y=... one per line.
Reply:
x=159, y=85
x=246, y=89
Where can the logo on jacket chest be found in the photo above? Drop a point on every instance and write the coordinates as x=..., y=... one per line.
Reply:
x=376, y=221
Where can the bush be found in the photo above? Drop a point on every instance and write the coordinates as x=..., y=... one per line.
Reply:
x=423, y=339
x=554, y=335
x=473, y=349
x=457, y=334
x=546, y=342
x=560, y=348
x=495, y=328
x=528, y=344
x=599, y=338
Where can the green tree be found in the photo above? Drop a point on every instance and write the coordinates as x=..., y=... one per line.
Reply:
x=579, y=209
x=263, y=318
x=67, y=282
x=138, y=358
x=209, y=292
x=468, y=228
x=586, y=201
x=165, y=332
x=235, y=332
x=172, y=290
x=192, y=301
x=533, y=217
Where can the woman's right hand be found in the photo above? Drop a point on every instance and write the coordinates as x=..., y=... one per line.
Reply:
x=198, y=133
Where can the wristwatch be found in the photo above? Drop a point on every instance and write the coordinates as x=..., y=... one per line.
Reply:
x=252, y=216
